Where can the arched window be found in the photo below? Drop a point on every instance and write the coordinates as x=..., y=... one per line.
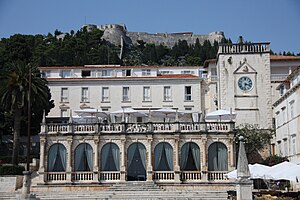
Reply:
x=190, y=157
x=217, y=157
x=163, y=157
x=57, y=158
x=110, y=157
x=83, y=157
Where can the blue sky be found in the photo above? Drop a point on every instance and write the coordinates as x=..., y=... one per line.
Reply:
x=276, y=21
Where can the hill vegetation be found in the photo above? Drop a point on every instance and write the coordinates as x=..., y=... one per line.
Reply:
x=83, y=48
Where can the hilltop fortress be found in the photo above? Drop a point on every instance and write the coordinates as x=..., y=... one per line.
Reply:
x=117, y=34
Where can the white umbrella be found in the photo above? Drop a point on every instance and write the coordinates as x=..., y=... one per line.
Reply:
x=286, y=171
x=256, y=171
x=166, y=113
x=128, y=112
x=220, y=115
x=91, y=112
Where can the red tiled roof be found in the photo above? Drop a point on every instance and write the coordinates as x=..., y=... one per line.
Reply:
x=164, y=76
x=281, y=57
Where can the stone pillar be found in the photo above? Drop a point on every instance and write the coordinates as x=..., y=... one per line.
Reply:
x=96, y=159
x=43, y=140
x=123, y=158
x=204, y=164
x=176, y=164
x=244, y=184
x=149, y=163
x=69, y=159
x=231, y=154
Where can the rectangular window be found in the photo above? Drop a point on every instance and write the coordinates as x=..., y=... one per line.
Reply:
x=146, y=94
x=64, y=95
x=46, y=74
x=63, y=113
x=292, y=109
x=105, y=94
x=167, y=93
x=293, y=147
x=126, y=94
x=187, y=72
x=285, y=147
x=105, y=73
x=146, y=72
x=279, y=148
x=66, y=73
x=188, y=93
x=85, y=73
x=84, y=94
x=126, y=72
x=283, y=114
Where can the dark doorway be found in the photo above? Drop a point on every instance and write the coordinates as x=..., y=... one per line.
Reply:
x=136, y=158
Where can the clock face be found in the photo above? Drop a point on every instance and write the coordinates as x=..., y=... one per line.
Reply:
x=245, y=83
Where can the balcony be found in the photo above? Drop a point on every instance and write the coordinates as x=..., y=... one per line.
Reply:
x=128, y=128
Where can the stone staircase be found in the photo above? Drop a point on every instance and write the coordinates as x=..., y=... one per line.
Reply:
x=134, y=191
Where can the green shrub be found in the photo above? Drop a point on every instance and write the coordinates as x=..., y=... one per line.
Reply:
x=11, y=170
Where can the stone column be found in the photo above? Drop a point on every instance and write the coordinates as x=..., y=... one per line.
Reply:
x=69, y=159
x=176, y=164
x=231, y=154
x=204, y=165
x=123, y=158
x=96, y=159
x=43, y=140
x=244, y=184
x=149, y=163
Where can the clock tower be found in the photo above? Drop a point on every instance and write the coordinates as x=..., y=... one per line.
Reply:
x=244, y=82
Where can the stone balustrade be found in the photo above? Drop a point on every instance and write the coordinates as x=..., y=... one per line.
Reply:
x=109, y=176
x=115, y=176
x=82, y=176
x=163, y=175
x=182, y=127
x=190, y=176
x=244, y=48
x=217, y=175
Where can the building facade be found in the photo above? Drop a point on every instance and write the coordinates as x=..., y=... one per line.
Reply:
x=287, y=118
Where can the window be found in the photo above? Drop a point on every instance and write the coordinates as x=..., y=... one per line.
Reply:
x=281, y=90
x=292, y=109
x=63, y=113
x=285, y=147
x=146, y=94
x=283, y=114
x=84, y=94
x=279, y=148
x=105, y=94
x=46, y=74
x=293, y=146
x=166, y=72
x=167, y=93
x=187, y=72
x=126, y=95
x=85, y=73
x=64, y=96
x=188, y=108
x=146, y=72
x=126, y=72
x=66, y=73
x=105, y=73
x=188, y=93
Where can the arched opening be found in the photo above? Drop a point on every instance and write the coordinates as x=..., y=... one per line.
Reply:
x=110, y=157
x=57, y=158
x=217, y=157
x=163, y=157
x=83, y=158
x=190, y=157
x=136, y=162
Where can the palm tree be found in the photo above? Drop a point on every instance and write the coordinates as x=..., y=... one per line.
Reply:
x=14, y=95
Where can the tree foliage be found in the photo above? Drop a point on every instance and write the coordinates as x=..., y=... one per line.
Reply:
x=14, y=100
x=255, y=139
